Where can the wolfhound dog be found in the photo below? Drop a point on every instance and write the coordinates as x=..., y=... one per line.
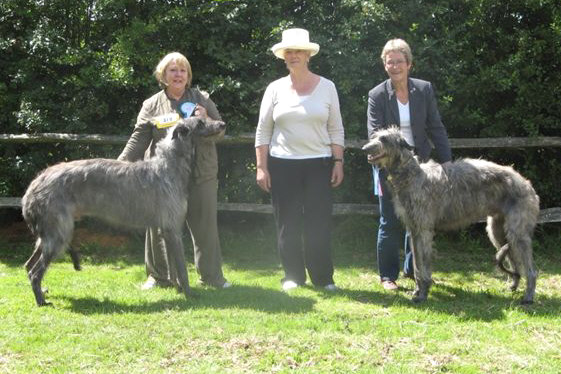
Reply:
x=151, y=193
x=428, y=197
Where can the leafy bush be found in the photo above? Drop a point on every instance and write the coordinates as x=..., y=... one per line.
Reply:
x=86, y=66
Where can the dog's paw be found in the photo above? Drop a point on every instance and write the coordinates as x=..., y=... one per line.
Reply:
x=419, y=296
x=192, y=295
x=418, y=300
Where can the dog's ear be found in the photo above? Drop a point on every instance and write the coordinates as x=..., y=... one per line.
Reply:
x=201, y=123
x=403, y=143
x=180, y=130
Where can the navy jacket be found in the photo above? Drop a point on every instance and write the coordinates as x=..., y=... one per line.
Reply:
x=426, y=125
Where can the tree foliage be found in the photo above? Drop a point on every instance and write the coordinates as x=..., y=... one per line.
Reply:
x=85, y=66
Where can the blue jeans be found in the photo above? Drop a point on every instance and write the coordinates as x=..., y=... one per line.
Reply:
x=391, y=233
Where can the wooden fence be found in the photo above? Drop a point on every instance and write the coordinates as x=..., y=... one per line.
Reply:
x=546, y=215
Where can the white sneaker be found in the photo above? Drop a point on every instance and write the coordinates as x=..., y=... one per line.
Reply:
x=289, y=285
x=149, y=284
x=227, y=285
x=331, y=287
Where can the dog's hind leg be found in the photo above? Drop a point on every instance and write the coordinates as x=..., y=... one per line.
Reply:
x=422, y=252
x=38, y=269
x=519, y=226
x=521, y=254
x=176, y=256
x=53, y=236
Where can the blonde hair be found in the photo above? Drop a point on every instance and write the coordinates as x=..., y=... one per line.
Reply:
x=397, y=45
x=180, y=60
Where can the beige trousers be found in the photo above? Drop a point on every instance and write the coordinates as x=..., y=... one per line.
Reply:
x=203, y=226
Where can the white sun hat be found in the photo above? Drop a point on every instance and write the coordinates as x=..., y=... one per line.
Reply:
x=295, y=39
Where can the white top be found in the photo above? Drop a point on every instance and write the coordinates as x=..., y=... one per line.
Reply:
x=299, y=127
x=405, y=123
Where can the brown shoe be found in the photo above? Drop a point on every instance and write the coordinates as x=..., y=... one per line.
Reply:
x=389, y=285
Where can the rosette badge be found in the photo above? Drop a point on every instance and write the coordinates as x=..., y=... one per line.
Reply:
x=187, y=109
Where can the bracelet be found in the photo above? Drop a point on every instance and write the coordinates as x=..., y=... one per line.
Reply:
x=337, y=160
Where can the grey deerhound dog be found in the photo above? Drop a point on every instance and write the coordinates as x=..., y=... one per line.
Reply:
x=134, y=194
x=429, y=197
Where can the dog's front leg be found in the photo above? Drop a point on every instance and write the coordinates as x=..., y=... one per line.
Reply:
x=422, y=252
x=174, y=246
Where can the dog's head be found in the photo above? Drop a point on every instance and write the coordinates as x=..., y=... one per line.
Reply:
x=197, y=126
x=387, y=147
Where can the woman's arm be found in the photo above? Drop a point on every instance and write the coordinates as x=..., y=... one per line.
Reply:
x=375, y=113
x=263, y=135
x=336, y=133
x=435, y=127
x=141, y=136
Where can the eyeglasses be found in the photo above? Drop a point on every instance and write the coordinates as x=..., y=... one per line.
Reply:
x=395, y=62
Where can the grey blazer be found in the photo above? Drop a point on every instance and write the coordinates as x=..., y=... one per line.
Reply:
x=426, y=125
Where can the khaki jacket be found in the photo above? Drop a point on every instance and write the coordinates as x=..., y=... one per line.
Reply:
x=142, y=143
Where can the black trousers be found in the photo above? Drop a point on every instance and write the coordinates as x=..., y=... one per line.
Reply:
x=302, y=203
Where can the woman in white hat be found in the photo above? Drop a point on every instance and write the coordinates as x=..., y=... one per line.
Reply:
x=299, y=147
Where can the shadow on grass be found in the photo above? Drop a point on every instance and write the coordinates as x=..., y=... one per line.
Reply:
x=239, y=297
x=250, y=245
x=463, y=304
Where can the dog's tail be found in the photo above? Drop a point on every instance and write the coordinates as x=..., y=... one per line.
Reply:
x=500, y=257
x=75, y=256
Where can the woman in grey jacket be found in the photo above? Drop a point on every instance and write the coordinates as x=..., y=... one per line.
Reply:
x=411, y=104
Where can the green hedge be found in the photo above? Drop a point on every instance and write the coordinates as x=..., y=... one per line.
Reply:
x=85, y=67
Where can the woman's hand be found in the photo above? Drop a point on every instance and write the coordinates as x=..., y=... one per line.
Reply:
x=200, y=111
x=263, y=179
x=337, y=152
x=337, y=174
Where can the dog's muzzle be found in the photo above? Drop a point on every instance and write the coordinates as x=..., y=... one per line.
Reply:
x=377, y=157
x=375, y=153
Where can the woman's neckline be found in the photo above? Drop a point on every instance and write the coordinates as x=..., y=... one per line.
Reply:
x=306, y=93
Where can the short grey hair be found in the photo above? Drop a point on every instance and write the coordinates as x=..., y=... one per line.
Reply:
x=397, y=45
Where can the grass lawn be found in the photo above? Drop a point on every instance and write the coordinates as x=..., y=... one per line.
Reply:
x=101, y=321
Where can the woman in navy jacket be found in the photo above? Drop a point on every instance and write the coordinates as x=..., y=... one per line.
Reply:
x=411, y=104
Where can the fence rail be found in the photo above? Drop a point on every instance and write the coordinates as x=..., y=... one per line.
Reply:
x=546, y=215
x=457, y=143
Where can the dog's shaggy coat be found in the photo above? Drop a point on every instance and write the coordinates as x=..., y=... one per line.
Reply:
x=429, y=197
x=134, y=194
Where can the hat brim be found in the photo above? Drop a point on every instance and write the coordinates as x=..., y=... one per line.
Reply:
x=279, y=48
